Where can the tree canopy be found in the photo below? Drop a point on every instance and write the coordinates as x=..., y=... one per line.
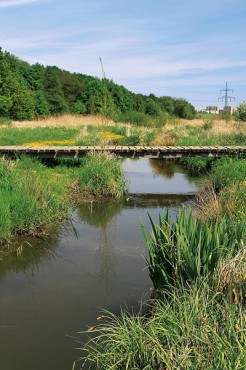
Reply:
x=31, y=91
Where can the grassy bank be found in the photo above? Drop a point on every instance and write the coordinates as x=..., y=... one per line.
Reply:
x=193, y=327
x=33, y=195
x=196, y=317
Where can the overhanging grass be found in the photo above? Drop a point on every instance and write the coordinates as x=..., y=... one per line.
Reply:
x=193, y=328
x=30, y=195
x=101, y=174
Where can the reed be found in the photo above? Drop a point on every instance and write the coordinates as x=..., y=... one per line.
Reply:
x=192, y=328
x=101, y=174
x=31, y=195
x=187, y=248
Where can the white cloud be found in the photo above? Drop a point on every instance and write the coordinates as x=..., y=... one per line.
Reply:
x=5, y=3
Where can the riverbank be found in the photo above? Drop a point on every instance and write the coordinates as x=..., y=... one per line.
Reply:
x=34, y=195
x=197, y=266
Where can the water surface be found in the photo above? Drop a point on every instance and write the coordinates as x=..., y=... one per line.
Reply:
x=58, y=286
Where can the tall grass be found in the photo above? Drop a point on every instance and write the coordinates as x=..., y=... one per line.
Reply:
x=30, y=195
x=101, y=174
x=188, y=248
x=192, y=328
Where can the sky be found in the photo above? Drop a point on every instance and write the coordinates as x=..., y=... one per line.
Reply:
x=181, y=48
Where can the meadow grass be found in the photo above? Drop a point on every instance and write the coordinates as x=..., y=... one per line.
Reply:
x=37, y=136
x=101, y=174
x=191, y=328
x=30, y=195
x=34, y=195
x=80, y=135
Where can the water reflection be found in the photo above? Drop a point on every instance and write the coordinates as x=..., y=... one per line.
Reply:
x=26, y=253
x=99, y=215
x=165, y=168
x=58, y=286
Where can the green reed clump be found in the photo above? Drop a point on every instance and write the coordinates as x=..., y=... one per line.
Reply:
x=228, y=171
x=192, y=328
x=30, y=195
x=101, y=174
x=187, y=248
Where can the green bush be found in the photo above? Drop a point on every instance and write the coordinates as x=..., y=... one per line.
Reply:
x=101, y=174
x=30, y=195
x=241, y=111
x=227, y=171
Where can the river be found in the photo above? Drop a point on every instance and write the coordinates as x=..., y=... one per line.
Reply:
x=58, y=286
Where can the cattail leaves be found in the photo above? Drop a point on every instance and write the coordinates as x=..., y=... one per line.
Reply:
x=187, y=248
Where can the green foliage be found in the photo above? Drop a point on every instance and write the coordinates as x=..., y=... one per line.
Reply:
x=190, y=329
x=14, y=136
x=5, y=121
x=187, y=248
x=34, y=90
x=167, y=104
x=79, y=108
x=30, y=195
x=143, y=119
x=183, y=109
x=228, y=171
x=151, y=107
x=101, y=174
x=41, y=106
x=241, y=111
x=208, y=124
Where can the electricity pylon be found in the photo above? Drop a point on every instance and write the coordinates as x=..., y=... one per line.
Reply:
x=226, y=97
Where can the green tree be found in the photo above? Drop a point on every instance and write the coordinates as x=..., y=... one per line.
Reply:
x=183, y=109
x=41, y=106
x=151, y=107
x=79, y=108
x=167, y=104
x=241, y=111
x=53, y=91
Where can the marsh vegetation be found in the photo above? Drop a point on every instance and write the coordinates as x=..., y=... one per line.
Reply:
x=195, y=259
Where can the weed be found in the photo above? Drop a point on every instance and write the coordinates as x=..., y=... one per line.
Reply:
x=189, y=329
x=101, y=174
x=187, y=248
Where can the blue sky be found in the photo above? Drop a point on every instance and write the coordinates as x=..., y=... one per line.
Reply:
x=178, y=48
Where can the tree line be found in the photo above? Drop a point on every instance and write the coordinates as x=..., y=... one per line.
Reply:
x=32, y=91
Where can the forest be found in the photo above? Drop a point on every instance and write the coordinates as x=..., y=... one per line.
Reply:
x=30, y=92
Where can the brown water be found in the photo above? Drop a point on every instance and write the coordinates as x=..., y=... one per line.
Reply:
x=58, y=286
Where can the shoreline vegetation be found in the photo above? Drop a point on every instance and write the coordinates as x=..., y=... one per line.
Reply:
x=197, y=263
x=196, y=319
x=33, y=195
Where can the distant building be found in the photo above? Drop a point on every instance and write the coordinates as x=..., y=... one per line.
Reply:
x=228, y=110
x=211, y=109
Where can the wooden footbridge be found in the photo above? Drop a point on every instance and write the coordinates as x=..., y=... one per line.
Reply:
x=121, y=151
